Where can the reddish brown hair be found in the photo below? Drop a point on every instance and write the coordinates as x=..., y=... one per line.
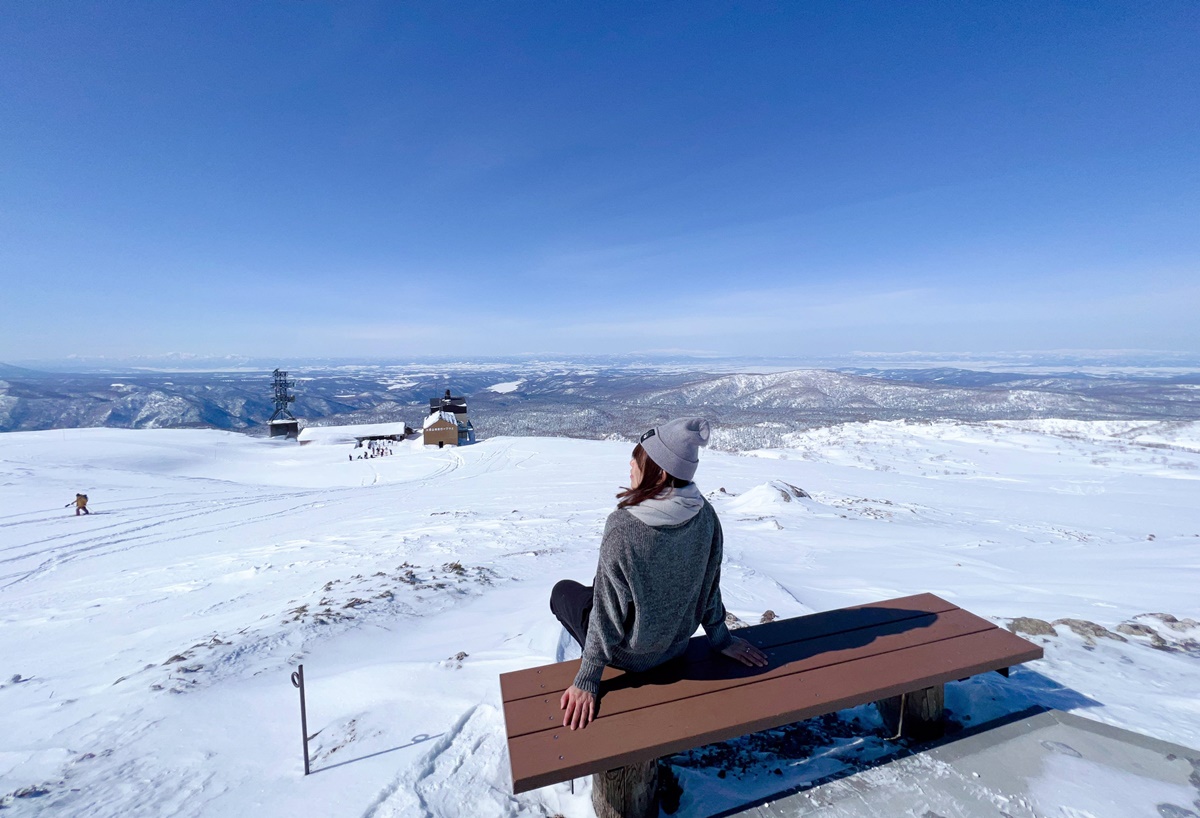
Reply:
x=654, y=483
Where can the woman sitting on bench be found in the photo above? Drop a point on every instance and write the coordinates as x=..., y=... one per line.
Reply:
x=659, y=573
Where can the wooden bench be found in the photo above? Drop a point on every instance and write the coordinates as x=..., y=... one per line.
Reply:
x=898, y=653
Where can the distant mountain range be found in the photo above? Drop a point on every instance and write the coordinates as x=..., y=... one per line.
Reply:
x=750, y=410
x=10, y=371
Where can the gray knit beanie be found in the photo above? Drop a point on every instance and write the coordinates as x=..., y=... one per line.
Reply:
x=675, y=446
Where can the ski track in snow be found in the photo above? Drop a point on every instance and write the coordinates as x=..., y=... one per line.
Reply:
x=122, y=533
x=145, y=652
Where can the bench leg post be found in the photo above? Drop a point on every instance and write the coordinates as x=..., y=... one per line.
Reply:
x=917, y=715
x=627, y=792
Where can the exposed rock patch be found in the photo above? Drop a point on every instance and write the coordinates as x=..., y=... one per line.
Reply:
x=1172, y=622
x=788, y=492
x=1160, y=631
x=1090, y=631
x=1165, y=632
x=1136, y=629
x=1032, y=627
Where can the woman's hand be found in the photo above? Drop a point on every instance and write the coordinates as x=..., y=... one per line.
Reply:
x=580, y=706
x=745, y=653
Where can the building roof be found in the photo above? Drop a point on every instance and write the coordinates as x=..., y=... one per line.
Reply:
x=448, y=404
x=331, y=435
x=448, y=417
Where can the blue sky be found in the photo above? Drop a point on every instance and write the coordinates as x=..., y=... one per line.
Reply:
x=405, y=179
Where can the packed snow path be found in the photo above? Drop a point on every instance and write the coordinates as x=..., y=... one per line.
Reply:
x=145, y=650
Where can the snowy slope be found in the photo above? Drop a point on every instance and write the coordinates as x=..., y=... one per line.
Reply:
x=145, y=650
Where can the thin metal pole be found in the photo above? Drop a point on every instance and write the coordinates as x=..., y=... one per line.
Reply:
x=899, y=726
x=298, y=682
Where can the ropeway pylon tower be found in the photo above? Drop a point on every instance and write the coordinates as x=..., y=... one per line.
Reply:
x=283, y=423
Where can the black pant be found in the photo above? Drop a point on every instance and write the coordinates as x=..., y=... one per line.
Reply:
x=572, y=604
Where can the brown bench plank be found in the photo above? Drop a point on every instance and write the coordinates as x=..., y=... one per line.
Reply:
x=543, y=758
x=716, y=673
x=520, y=684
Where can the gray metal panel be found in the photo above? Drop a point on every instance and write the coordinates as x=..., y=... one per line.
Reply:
x=1049, y=764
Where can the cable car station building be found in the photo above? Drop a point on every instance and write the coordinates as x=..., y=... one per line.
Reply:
x=447, y=423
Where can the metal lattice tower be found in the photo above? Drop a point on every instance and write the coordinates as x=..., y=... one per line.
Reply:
x=283, y=397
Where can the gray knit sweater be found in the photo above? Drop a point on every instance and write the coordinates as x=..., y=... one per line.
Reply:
x=654, y=586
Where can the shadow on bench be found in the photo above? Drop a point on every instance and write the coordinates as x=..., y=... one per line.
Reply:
x=783, y=640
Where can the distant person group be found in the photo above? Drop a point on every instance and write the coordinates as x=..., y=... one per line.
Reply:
x=375, y=448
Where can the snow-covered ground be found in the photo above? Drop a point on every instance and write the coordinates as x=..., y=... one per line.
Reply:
x=145, y=650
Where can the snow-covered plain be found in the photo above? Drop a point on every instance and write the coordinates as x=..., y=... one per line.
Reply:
x=145, y=650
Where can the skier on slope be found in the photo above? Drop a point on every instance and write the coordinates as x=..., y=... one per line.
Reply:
x=80, y=504
x=659, y=575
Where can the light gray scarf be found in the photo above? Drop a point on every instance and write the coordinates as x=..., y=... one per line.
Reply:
x=673, y=508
